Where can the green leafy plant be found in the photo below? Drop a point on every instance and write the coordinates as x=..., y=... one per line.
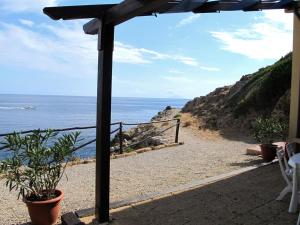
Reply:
x=129, y=149
x=37, y=163
x=266, y=130
x=177, y=116
x=263, y=88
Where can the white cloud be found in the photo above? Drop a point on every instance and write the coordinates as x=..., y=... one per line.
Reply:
x=129, y=54
x=174, y=71
x=25, y=5
x=27, y=22
x=206, y=68
x=179, y=79
x=48, y=51
x=63, y=48
x=278, y=16
x=154, y=54
x=166, y=87
x=125, y=53
x=186, y=60
x=191, y=79
x=188, y=20
x=187, y=84
x=270, y=37
x=212, y=69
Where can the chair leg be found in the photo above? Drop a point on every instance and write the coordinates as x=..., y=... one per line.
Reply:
x=294, y=199
x=293, y=203
x=298, y=221
x=283, y=193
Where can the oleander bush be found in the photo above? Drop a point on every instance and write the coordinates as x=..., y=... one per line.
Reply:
x=267, y=130
x=37, y=162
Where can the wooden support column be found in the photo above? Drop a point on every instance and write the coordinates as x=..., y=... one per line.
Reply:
x=294, y=126
x=105, y=60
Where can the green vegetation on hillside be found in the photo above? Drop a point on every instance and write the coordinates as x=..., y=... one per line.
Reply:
x=264, y=93
x=264, y=88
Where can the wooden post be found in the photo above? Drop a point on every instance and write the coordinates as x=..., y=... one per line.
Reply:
x=105, y=59
x=294, y=125
x=177, y=130
x=121, y=138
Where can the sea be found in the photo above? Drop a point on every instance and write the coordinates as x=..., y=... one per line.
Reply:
x=26, y=112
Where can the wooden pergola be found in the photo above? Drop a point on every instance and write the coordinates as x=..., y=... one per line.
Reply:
x=104, y=19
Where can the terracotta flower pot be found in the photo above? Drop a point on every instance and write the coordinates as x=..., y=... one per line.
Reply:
x=268, y=152
x=45, y=212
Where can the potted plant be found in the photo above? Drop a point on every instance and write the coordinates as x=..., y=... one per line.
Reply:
x=266, y=130
x=36, y=164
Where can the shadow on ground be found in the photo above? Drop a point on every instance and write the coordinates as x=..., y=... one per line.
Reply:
x=247, y=163
x=245, y=199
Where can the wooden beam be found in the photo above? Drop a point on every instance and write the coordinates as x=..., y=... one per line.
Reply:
x=77, y=12
x=294, y=125
x=245, y=5
x=292, y=7
x=186, y=6
x=105, y=62
x=129, y=9
x=284, y=4
x=124, y=11
x=92, y=27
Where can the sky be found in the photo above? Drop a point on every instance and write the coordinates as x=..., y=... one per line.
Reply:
x=169, y=56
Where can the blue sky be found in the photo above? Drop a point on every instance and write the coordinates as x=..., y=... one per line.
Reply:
x=168, y=56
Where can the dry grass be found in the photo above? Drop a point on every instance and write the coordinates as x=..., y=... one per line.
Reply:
x=187, y=124
x=193, y=123
x=165, y=124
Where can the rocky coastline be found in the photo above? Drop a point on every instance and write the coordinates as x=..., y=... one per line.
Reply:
x=152, y=134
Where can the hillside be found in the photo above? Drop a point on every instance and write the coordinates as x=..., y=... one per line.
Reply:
x=235, y=107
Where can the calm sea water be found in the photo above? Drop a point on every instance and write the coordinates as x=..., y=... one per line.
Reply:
x=23, y=112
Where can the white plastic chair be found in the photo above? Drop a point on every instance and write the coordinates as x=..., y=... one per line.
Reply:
x=286, y=171
x=295, y=194
x=295, y=190
x=290, y=149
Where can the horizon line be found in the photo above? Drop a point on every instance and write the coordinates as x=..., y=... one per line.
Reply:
x=93, y=96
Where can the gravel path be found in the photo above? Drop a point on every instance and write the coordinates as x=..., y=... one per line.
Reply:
x=142, y=174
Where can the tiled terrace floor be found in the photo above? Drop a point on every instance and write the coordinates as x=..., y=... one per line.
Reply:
x=245, y=199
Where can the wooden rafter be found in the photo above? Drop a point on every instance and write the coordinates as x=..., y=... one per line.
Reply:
x=76, y=12
x=124, y=11
x=129, y=9
x=245, y=5
x=183, y=6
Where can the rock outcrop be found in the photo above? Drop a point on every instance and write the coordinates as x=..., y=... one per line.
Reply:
x=148, y=135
